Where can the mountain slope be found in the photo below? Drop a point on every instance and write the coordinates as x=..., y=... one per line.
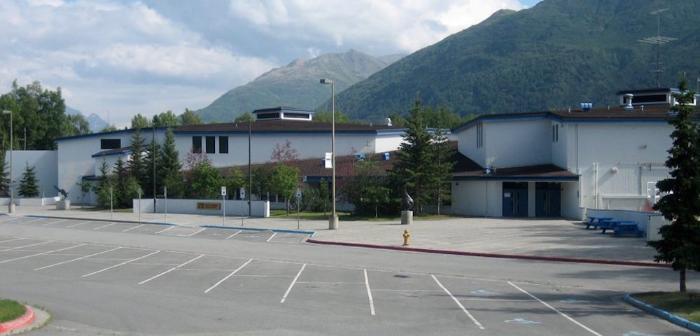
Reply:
x=556, y=54
x=96, y=122
x=296, y=84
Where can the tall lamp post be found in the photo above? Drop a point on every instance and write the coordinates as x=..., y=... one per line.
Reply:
x=333, y=221
x=11, y=207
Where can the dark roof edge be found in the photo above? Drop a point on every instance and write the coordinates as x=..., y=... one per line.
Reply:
x=128, y=130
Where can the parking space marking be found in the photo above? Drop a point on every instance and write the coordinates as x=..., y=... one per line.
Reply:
x=369, y=293
x=120, y=264
x=76, y=259
x=228, y=276
x=291, y=285
x=233, y=235
x=40, y=254
x=273, y=236
x=54, y=222
x=457, y=302
x=78, y=224
x=133, y=228
x=33, y=220
x=104, y=226
x=555, y=310
x=23, y=246
x=166, y=229
x=13, y=239
x=171, y=269
x=193, y=233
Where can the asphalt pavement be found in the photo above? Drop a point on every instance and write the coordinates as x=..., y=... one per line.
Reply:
x=114, y=278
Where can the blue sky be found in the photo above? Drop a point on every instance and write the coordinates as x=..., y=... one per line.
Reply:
x=117, y=58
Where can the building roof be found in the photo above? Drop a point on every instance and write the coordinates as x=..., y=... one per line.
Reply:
x=651, y=113
x=272, y=126
x=534, y=172
x=98, y=134
x=282, y=109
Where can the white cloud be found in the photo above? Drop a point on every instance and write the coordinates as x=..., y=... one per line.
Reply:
x=381, y=25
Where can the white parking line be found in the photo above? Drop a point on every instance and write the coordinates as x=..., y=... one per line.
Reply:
x=273, y=236
x=458, y=303
x=369, y=293
x=228, y=276
x=40, y=254
x=291, y=285
x=76, y=259
x=193, y=233
x=33, y=219
x=166, y=229
x=23, y=246
x=170, y=270
x=120, y=264
x=78, y=224
x=9, y=240
x=134, y=228
x=555, y=310
x=233, y=235
x=104, y=226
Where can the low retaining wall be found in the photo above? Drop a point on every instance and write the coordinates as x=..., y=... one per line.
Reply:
x=649, y=222
x=203, y=207
x=30, y=201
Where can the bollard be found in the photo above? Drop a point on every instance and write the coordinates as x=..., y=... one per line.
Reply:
x=406, y=236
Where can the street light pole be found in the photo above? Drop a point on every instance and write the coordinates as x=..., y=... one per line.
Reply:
x=333, y=221
x=11, y=206
x=250, y=171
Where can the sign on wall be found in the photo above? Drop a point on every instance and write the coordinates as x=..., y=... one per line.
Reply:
x=328, y=161
x=208, y=206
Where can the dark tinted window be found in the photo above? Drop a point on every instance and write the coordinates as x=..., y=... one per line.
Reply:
x=196, y=144
x=267, y=115
x=223, y=144
x=110, y=143
x=649, y=99
x=211, y=142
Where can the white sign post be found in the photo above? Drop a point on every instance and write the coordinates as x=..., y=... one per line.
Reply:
x=165, y=197
x=241, y=191
x=298, y=195
x=140, y=192
x=223, y=205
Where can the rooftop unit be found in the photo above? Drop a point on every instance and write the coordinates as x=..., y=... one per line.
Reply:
x=283, y=113
x=658, y=96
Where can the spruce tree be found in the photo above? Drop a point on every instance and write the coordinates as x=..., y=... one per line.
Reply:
x=122, y=178
x=680, y=242
x=171, y=167
x=442, y=165
x=28, y=185
x=136, y=164
x=152, y=154
x=415, y=155
x=4, y=176
x=104, y=187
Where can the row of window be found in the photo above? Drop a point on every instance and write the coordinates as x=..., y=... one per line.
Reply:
x=210, y=144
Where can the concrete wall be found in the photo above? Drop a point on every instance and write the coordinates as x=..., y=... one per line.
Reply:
x=466, y=144
x=44, y=163
x=518, y=143
x=189, y=206
x=477, y=198
x=570, y=207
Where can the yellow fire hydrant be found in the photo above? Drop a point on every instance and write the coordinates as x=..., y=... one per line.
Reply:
x=406, y=236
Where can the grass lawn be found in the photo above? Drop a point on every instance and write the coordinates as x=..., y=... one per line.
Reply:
x=347, y=216
x=684, y=305
x=10, y=310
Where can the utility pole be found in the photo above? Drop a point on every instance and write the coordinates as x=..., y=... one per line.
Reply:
x=153, y=153
x=250, y=171
x=11, y=207
x=333, y=220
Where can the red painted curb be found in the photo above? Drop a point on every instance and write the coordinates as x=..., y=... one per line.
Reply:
x=492, y=255
x=19, y=322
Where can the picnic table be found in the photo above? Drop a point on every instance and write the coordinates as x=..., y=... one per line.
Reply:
x=614, y=224
x=596, y=221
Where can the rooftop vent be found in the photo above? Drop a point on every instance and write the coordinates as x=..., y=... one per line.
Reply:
x=586, y=106
x=627, y=101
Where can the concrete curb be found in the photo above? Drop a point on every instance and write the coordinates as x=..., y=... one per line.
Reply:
x=675, y=319
x=491, y=255
x=19, y=322
x=101, y=220
x=310, y=233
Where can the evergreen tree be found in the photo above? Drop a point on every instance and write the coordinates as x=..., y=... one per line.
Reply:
x=170, y=167
x=104, y=187
x=152, y=156
x=4, y=176
x=136, y=164
x=28, y=185
x=680, y=243
x=442, y=165
x=413, y=169
x=122, y=184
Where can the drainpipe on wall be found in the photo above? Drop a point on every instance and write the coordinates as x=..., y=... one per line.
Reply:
x=595, y=181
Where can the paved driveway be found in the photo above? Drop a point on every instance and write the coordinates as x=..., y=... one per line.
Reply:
x=100, y=278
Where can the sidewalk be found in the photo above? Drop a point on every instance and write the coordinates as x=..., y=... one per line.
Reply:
x=537, y=237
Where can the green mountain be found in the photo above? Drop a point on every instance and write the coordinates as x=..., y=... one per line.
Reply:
x=296, y=84
x=556, y=54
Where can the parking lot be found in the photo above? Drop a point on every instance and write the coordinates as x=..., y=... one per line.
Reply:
x=173, y=291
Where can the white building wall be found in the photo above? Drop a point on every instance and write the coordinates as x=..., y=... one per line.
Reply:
x=44, y=163
x=466, y=144
x=477, y=198
x=387, y=142
x=515, y=143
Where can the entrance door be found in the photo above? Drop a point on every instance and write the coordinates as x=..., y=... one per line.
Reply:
x=547, y=199
x=514, y=199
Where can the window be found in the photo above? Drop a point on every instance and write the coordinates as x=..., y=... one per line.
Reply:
x=260, y=116
x=555, y=133
x=196, y=144
x=479, y=135
x=223, y=144
x=110, y=143
x=211, y=142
